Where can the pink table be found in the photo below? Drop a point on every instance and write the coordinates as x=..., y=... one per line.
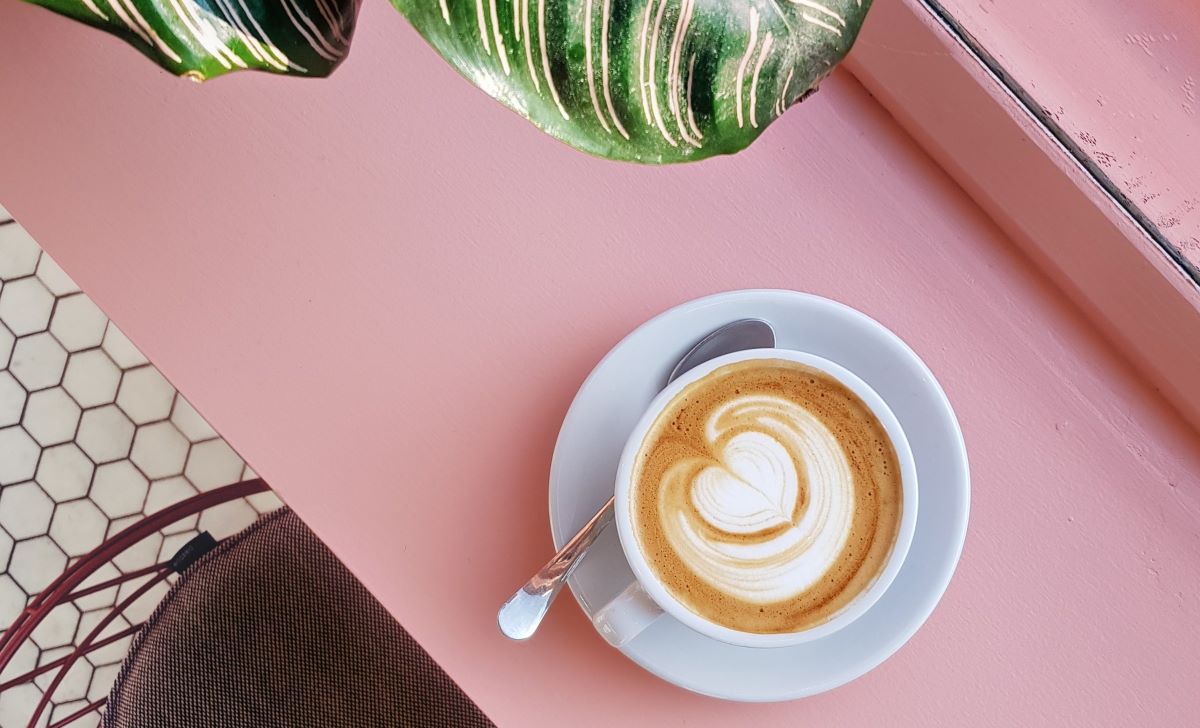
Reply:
x=384, y=290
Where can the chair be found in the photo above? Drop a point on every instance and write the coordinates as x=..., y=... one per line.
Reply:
x=265, y=628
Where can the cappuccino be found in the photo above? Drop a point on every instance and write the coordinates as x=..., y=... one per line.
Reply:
x=766, y=496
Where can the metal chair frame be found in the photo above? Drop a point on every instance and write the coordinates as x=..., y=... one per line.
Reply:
x=65, y=589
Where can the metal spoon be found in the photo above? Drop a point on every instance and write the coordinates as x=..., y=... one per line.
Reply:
x=520, y=616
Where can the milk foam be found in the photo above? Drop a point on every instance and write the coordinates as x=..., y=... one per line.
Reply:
x=766, y=496
x=755, y=526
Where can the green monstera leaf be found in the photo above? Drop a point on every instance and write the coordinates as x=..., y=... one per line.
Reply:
x=650, y=81
x=643, y=80
x=200, y=39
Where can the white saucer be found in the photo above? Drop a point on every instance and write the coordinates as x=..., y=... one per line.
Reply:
x=614, y=396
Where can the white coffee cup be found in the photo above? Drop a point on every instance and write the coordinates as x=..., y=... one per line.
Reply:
x=647, y=599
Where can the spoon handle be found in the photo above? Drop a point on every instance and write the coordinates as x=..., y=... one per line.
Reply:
x=520, y=616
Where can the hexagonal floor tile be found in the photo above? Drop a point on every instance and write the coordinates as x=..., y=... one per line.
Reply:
x=109, y=654
x=64, y=472
x=87, y=624
x=171, y=544
x=212, y=464
x=12, y=400
x=54, y=653
x=103, y=598
x=51, y=655
x=228, y=518
x=57, y=629
x=18, y=702
x=264, y=502
x=166, y=492
x=105, y=434
x=51, y=416
x=183, y=524
x=25, y=306
x=92, y=378
x=25, y=510
x=159, y=450
x=119, y=489
x=117, y=650
x=23, y=660
x=121, y=349
x=63, y=710
x=12, y=599
x=141, y=609
x=36, y=563
x=75, y=683
x=138, y=556
x=6, y=546
x=78, y=323
x=102, y=681
x=54, y=277
x=20, y=455
x=145, y=395
x=78, y=527
x=117, y=525
x=7, y=340
x=18, y=252
x=38, y=361
x=190, y=423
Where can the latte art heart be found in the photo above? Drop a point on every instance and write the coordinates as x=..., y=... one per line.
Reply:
x=755, y=488
x=779, y=546
x=766, y=496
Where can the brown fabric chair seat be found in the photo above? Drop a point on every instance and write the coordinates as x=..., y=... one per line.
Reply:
x=270, y=629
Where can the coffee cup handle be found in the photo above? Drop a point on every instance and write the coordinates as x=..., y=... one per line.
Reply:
x=627, y=615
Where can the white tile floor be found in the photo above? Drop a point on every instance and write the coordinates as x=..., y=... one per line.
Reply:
x=92, y=438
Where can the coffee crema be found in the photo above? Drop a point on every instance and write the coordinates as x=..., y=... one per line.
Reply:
x=766, y=496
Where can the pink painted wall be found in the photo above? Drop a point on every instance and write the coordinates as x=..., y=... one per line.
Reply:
x=384, y=290
x=1123, y=79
